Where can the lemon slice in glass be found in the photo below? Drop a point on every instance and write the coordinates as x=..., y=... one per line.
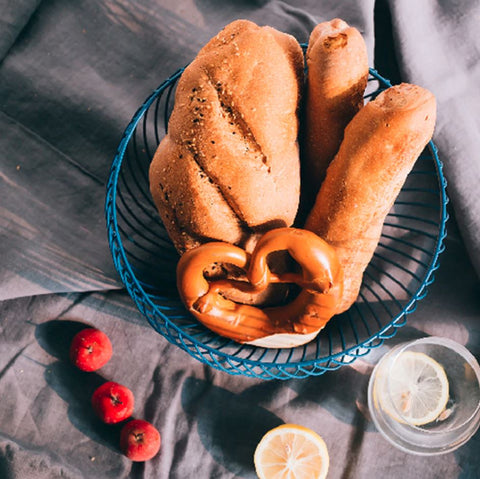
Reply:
x=413, y=388
x=291, y=451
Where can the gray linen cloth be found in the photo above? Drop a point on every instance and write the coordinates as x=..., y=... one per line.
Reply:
x=71, y=76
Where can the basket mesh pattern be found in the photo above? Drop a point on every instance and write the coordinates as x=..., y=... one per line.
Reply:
x=396, y=279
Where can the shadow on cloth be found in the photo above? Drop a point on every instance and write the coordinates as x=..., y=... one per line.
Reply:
x=222, y=425
x=231, y=425
x=5, y=471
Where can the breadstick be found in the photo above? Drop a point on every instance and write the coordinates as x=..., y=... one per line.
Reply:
x=337, y=76
x=380, y=147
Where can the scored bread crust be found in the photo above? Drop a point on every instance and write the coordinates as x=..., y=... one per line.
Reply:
x=337, y=63
x=228, y=169
x=380, y=147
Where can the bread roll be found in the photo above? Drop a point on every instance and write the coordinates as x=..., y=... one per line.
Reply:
x=228, y=168
x=380, y=147
x=337, y=77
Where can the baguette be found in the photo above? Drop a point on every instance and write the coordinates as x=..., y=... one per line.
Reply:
x=337, y=77
x=380, y=147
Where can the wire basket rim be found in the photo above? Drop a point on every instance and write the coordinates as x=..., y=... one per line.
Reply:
x=336, y=358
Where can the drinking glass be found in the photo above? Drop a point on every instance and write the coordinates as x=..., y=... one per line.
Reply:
x=454, y=425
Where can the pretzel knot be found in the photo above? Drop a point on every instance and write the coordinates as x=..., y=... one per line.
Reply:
x=320, y=280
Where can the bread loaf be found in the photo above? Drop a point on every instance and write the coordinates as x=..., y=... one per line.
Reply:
x=380, y=147
x=228, y=169
x=337, y=77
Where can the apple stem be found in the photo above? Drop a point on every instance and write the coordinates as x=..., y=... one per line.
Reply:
x=115, y=399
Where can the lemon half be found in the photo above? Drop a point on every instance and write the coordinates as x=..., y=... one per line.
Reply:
x=291, y=451
x=415, y=390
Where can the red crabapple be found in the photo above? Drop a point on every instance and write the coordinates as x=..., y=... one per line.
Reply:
x=139, y=440
x=90, y=349
x=113, y=402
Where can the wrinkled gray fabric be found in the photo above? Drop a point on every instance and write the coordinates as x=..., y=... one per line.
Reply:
x=72, y=74
x=437, y=49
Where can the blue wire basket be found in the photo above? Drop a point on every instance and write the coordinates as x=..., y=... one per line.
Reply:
x=396, y=279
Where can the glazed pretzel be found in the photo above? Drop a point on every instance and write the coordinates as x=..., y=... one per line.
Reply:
x=295, y=323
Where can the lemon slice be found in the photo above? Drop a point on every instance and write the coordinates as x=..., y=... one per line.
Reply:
x=418, y=389
x=291, y=451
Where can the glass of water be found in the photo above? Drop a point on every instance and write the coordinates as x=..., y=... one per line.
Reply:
x=424, y=396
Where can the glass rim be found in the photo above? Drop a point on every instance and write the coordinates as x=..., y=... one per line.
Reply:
x=447, y=343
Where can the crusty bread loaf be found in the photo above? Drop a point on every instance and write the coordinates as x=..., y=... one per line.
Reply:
x=337, y=77
x=380, y=147
x=228, y=168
